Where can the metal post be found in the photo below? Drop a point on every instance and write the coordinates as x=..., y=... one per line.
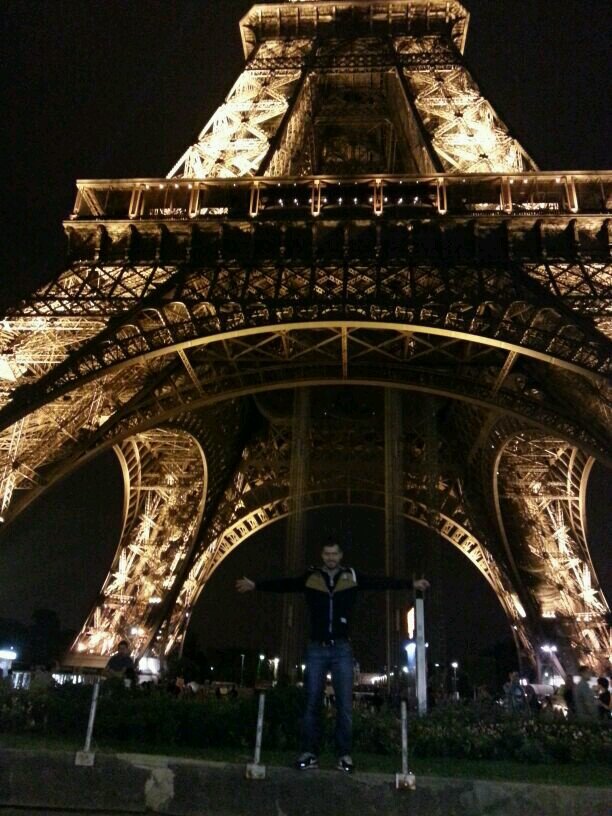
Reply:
x=455, y=666
x=241, y=670
x=86, y=757
x=258, y=669
x=404, y=738
x=405, y=780
x=255, y=770
x=421, y=657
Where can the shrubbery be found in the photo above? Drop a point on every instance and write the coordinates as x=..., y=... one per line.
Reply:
x=139, y=719
x=535, y=741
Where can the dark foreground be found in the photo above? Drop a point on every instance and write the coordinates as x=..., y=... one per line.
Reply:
x=49, y=782
x=11, y=811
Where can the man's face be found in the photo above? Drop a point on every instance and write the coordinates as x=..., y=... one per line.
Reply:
x=123, y=649
x=332, y=556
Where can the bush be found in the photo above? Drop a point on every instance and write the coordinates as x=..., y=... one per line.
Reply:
x=377, y=733
x=463, y=732
x=154, y=719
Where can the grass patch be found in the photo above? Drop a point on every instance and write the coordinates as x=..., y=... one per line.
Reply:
x=593, y=775
x=38, y=742
x=502, y=770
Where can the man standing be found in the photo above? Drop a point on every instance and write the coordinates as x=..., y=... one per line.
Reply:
x=330, y=591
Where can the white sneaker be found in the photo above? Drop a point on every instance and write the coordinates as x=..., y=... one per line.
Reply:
x=345, y=763
x=306, y=761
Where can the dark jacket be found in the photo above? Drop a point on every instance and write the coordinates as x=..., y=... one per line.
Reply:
x=330, y=600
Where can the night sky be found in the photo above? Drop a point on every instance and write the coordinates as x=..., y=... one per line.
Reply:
x=120, y=89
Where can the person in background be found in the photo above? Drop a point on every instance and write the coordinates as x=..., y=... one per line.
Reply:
x=516, y=699
x=533, y=704
x=121, y=664
x=604, y=709
x=584, y=697
x=569, y=696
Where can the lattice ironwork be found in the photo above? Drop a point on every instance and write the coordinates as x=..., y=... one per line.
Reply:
x=532, y=487
x=539, y=485
x=173, y=477
x=293, y=246
x=237, y=138
x=260, y=494
x=419, y=41
x=165, y=477
x=465, y=131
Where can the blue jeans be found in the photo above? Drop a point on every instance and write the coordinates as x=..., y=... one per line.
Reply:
x=337, y=660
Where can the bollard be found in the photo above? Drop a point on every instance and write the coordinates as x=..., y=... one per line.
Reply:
x=254, y=770
x=421, y=660
x=405, y=780
x=86, y=756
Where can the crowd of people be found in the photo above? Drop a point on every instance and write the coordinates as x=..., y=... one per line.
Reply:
x=580, y=700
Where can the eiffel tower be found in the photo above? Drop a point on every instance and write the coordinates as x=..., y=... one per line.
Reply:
x=355, y=288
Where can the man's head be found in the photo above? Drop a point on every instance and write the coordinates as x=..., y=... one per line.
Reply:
x=331, y=555
x=584, y=672
x=124, y=647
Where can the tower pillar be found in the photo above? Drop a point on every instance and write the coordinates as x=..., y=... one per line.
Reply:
x=292, y=633
x=395, y=558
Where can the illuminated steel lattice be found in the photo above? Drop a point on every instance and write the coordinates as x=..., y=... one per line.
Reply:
x=540, y=489
x=237, y=138
x=165, y=474
x=259, y=495
x=355, y=213
x=465, y=132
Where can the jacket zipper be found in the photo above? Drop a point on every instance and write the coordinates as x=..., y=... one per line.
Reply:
x=331, y=605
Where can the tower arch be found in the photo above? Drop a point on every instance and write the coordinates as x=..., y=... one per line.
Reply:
x=292, y=247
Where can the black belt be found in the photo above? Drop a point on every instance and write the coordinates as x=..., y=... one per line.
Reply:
x=329, y=642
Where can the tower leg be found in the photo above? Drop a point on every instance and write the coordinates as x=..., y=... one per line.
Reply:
x=433, y=556
x=394, y=522
x=293, y=605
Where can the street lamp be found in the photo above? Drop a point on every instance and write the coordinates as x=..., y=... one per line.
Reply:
x=275, y=662
x=455, y=666
x=241, y=670
x=549, y=650
x=410, y=654
x=6, y=659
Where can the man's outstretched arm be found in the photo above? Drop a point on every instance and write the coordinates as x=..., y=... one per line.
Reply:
x=382, y=583
x=245, y=584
